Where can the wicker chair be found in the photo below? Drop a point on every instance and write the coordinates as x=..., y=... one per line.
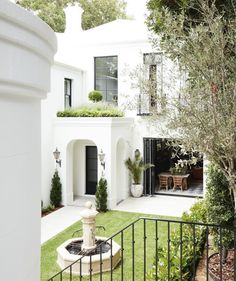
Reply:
x=178, y=182
x=163, y=182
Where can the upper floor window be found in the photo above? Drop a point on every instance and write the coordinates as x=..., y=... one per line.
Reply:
x=153, y=69
x=67, y=92
x=106, y=77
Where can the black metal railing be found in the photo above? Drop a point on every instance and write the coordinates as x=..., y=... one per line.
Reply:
x=159, y=249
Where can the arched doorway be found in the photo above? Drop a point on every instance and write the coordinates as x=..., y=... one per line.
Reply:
x=82, y=168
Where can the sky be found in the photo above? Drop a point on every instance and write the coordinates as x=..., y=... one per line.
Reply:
x=136, y=8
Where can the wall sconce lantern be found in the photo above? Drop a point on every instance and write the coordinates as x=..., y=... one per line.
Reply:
x=56, y=155
x=137, y=153
x=101, y=158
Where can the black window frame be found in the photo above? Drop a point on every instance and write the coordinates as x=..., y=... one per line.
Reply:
x=105, y=92
x=154, y=66
x=66, y=93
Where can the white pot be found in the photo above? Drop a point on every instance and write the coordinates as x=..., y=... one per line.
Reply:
x=136, y=190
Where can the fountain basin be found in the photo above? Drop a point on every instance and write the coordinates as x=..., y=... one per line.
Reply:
x=65, y=258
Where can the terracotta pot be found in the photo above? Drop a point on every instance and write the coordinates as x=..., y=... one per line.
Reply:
x=197, y=173
x=136, y=190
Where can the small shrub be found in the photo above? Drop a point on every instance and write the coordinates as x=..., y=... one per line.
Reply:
x=48, y=209
x=197, y=212
x=95, y=96
x=55, y=194
x=101, y=195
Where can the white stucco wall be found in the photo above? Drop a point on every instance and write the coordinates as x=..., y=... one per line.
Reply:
x=49, y=108
x=129, y=41
x=27, y=47
x=72, y=134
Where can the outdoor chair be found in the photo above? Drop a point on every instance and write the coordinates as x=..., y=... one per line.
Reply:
x=164, y=182
x=178, y=182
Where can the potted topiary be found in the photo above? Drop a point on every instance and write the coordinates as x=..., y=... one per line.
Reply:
x=95, y=96
x=136, y=168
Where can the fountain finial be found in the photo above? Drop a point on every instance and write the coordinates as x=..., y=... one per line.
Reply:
x=88, y=204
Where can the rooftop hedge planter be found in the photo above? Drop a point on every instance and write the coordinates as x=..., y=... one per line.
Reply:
x=96, y=110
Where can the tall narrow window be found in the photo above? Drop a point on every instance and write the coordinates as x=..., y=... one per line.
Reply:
x=152, y=90
x=106, y=77
x=153, y=84
x=153, y=61
x=67, y=92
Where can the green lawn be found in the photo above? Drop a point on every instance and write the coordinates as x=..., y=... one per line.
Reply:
x=113, y=221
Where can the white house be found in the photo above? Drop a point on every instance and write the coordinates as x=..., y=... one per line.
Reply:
x=102, y=58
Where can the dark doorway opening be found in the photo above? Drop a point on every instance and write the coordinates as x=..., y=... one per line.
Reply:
x=91, y=169
x=159, y=152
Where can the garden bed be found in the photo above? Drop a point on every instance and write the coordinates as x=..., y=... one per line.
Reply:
x=49, y=210
x=227, y=267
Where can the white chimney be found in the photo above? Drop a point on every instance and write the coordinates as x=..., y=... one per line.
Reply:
x=73, y=19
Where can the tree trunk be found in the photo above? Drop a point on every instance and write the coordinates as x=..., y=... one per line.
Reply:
x=233, y=195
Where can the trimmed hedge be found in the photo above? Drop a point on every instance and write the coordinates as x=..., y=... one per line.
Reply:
x=101, y=110
x=55, y=193
x=101, y=195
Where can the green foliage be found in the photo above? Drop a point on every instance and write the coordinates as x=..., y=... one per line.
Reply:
x=95, y=96
x=136, y=167
x=96, y=12
x=220, y=208
x=189, y=248
x=101, y=195
x=197, y=213
x=189, y=8
x=205, y=111
x=55, y=193
x=48, y=209
x=96, y=110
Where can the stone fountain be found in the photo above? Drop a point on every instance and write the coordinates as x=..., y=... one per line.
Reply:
x=88, y=246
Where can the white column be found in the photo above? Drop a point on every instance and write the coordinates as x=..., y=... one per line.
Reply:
x=27, y=47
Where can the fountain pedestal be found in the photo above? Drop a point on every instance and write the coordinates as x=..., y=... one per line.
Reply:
x=88, y=219
x=89, y=260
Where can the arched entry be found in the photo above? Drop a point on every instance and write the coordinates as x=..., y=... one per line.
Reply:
x=82, y=168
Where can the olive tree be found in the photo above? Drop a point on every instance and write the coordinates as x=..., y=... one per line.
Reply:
x=204, y=114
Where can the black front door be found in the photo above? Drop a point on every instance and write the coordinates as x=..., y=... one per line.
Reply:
x=149, y=179
x=91, y=169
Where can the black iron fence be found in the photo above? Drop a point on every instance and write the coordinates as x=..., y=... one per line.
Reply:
x=159, y=249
